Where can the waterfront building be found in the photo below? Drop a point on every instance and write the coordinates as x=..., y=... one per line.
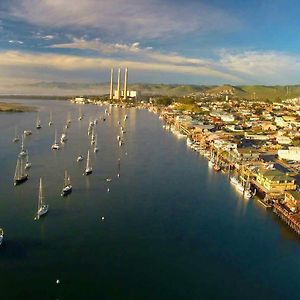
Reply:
x=275, y=181
x=293, y=153
x=292, y=200
x=283, y=140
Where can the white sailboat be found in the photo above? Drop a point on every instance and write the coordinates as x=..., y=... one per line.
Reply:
x=64, y=136
x=50, y=119
x=96, y=148
x=67, y=189
x=80, y=114
x=1, y=236
x=27, y=132
x=28, y=163
x=93, y=137
x=16, y=138
x=38, y=122
x=55, y=146
x=42, y=207
x=88, y=169
x=79, y=158
x=69, y=120
x=23, y=152
x=20, y=174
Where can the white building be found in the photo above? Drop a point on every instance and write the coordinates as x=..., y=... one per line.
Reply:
x=293, y=153
x=283, y=140
x=227, y=118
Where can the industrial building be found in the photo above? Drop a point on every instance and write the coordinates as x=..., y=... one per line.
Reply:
x=119, y=93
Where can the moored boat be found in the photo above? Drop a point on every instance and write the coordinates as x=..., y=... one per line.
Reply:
x=27, y=164
x=16, y=137
x=27, y=132
x=67, y=189
x=20, y=174
x=79, y=158
x=1, y=236
x=42, y=206
x=23, y=152
x=38, y=122
x=88, y=169
x=55, y=146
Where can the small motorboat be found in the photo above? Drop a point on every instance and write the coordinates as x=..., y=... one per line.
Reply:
x=1, y=236
x=79, y=158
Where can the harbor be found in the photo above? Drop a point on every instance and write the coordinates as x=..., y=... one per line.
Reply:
x=160, y=218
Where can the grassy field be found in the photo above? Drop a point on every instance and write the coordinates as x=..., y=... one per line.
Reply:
x=15, y=107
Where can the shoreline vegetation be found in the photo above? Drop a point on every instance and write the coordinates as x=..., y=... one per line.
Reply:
x=15, y=107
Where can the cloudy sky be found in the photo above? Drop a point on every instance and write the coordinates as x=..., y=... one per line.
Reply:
x=169, y=41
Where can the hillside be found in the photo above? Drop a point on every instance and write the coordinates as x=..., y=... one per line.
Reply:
x=72, y=89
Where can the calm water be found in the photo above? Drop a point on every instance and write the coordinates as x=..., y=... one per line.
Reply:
x=173, y=229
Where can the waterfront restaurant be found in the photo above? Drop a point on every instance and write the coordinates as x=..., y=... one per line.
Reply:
x=274, y=181
x=292, y=200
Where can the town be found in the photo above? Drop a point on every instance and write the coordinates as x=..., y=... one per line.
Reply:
x=255, y=143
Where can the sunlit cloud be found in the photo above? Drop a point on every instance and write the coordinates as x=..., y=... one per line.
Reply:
x=131, y=18
x=263, y=66
x=73, y=62
x=99, y=46
x=15, y=42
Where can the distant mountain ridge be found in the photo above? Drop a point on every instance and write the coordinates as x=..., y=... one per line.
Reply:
x=72, y=89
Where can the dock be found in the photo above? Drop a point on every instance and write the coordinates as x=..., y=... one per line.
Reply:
x=287, y=217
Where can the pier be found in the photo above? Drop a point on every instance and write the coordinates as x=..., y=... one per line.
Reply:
x=287, y=217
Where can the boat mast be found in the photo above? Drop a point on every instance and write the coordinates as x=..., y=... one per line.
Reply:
x=66, y=179
x=55, y=138
x=22, y=144
x=40, y=202
x=17, y=171
x=88, y=160
x=22, y=170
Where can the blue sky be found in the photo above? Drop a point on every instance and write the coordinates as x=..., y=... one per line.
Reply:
x=170, y=41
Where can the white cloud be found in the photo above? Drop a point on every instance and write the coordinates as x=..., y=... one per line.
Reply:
x=99, y=46
x=263, y=66
x=17, y=59
x=127, y=18
x=134, y=50
x=15, y=42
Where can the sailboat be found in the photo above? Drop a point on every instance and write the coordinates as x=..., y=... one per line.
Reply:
x=38, y=122
x=69, y=118
x=50, y=119
x=28, y=164
x=42, y=207
x=79, y=158
x=55, y=146
x=64, y=136
x=96, y=149
x=88, y=168
x=20, y=174
x=93, y=137
x=67, y=189
x=1, y=236
x=23, y=152
x=16, y=138
x=80, y=114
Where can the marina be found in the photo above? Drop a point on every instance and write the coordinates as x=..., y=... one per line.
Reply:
x=160, y=218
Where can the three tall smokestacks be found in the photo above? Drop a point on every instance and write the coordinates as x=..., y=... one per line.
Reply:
x=118, y=92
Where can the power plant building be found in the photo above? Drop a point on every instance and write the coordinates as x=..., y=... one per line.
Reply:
x=119, y=93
